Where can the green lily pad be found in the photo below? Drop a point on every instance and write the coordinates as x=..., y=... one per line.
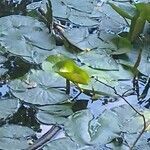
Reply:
x=143, y=142
x=8, y=107
x=109, y=15
x=2, y=69
x=61, y=144
x=58, y=7
x=54, y=114
x=30, y=37
x=98, y=59
x=111, y=78
x=86, y=41
x=15, y=136
x=123, y=45
x=69, y=70
x=125, y=10
x=2, y=59
x=84, y=5
x=39, y=87
x=81, y=18
x=144, y=65
x=82, y=128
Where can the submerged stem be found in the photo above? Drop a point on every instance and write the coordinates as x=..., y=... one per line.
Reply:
x=45, y=138
x=67, y=86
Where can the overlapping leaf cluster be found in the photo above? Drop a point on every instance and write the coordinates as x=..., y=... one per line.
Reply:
x=92, y=35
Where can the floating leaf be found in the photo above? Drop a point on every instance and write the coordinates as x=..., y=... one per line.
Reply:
x=125, y=10
x=2, y=61
x=39, y=87
x=84, y=5
x=109, y=15
x=53, y=114
x=143, y=142
x=98, y=59
x=144, y=66
x=15, y=136
x=69, y=70
x=8, y=107
x=81, y=18
x=82, y=128
x=30, y=37
x=123, y=45
x=85, y=41
x=61, y=144
x=131, y=57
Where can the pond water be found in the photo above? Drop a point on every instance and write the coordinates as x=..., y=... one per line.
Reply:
x=26, y=113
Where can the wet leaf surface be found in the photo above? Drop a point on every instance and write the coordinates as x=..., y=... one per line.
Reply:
x=96, y=37
x=38, y=88
x=18, y=139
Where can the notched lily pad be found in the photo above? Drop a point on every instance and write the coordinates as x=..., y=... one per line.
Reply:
x=8, y=107
x=38, y=87
x=123, y=45
x=98, y=59
x=84, y=5
x=31, y=38
x=53, y=114
x=82, y=128
x=61, y=144
x=15, y=137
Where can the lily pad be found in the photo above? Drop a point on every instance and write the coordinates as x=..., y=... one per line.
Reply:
x=58, y=7
x=61, y=144
x=15, y=136
x=98, y=59
x=54, y=114
x=86, y=41
x=144, y=65
x=84, y=5
x=82, y=128
x=30, y=37
x=111, y=78
x=38, y=87
x=123, y=45
x=2, y=59
x=143, y=142
x=81, y=18
x=8, y=107
x=125, y=10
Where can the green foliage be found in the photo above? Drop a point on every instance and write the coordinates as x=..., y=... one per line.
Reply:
x=8, y=108
x=69, y=70
x=141, y=15
x=91, y=35
x=15, y=136
x=38, y=83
